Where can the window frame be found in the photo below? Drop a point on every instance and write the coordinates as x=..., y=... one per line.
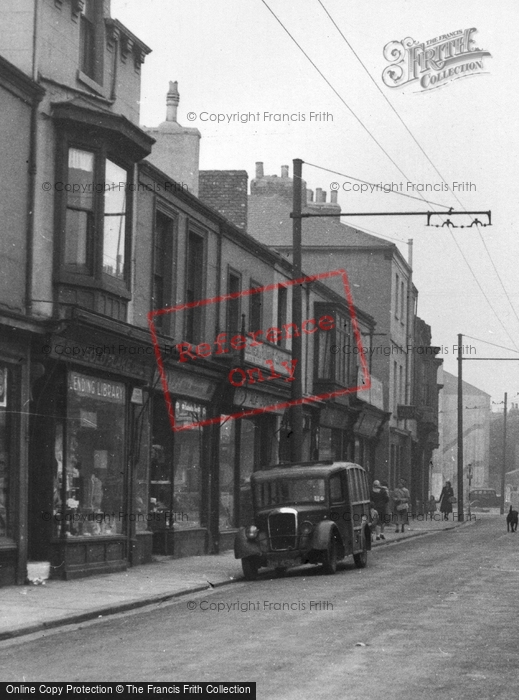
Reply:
x=163, y=323
x=195, y=315
x=255, y=306
x=340, y=365
x=93, y=73
x=232, y=272
x=397, y=292
x=102, y=150
x=282, y=312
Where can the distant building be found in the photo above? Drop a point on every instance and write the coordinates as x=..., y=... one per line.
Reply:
x=476, y=435
x=381, y=284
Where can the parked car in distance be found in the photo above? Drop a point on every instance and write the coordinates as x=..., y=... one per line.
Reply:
x=315, y=513
x=484, y=498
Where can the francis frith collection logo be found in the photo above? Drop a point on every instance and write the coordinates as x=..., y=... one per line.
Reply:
x=435, y=62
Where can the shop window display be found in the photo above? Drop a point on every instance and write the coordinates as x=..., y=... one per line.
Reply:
x=89, y=450
x=187, y=460
x=5, y=436
x=227, y=458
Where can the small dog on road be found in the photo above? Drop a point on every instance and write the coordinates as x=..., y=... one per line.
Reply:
x=512, y=520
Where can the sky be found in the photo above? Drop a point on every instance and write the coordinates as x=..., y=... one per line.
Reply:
x=233, y=56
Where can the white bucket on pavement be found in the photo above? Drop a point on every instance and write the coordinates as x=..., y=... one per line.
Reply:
x=38, y=571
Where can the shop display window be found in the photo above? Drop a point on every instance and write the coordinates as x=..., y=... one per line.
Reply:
x=187, y=461
x=6, y=431
x=89, y=451
x=227, y=459
x=325, y=443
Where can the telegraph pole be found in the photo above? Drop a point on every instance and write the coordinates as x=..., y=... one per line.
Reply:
x=296, y=411
x=460, y=428
x=503, y=472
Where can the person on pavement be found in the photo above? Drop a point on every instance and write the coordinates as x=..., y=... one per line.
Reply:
x=446, y=500
x=401, y=504
x=380, y=498
x=430, y=507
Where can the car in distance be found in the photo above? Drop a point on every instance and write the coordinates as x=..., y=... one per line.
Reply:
x=484, y=498
x=315, y=513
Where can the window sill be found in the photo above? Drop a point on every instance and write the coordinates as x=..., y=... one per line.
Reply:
x=86, y=281
x=92, y=84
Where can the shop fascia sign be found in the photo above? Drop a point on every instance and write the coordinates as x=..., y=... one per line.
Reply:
x=185, y=384
x=265, y=353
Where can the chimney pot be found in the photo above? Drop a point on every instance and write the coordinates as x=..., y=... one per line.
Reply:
x=309, y=195
x=333, y=196
x=319, y=194
x=172, y=100
x=323, y=197
x=284, y=171
x=259, y=170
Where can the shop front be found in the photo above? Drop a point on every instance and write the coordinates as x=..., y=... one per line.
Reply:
x=182, y=463
x=369, y=425
x=336, y=433
x=88, y=457
x=246, y=444
x=15, y=371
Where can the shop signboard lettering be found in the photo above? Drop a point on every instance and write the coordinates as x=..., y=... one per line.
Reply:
x=245, y=398
x=100, y=389
x=189, y=385
x=110, y=357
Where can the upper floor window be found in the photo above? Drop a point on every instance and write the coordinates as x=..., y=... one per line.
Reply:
x=402, y=302
x=334, y=350
x=162, y=268
x=79, y=224
x=233, y=305
x=114, y=219
x=397, y=290
x=255, y=308
x=282, y=311
x=95, y=236
x=87, y=39
x=395, y=386
x=194, y=286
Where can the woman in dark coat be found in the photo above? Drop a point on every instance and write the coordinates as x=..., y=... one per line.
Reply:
x=380, y=497
x=445, y=501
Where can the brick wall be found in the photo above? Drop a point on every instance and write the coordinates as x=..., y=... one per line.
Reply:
x=226, y=191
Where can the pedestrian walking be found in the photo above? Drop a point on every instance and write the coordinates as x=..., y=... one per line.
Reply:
x=401, y=499
x=430, y=507
x=446, y=500
x=380, y=497
x=375, y=519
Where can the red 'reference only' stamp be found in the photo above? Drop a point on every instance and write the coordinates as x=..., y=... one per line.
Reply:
x=226, y=343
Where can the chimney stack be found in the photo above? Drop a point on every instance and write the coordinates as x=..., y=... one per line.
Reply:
x=172, y=100
x=284, y=171
x=259, y=170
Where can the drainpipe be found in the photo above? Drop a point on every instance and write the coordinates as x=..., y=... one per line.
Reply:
x=33, y=144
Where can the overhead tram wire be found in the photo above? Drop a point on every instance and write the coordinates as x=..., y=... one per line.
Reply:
x=372, y=184
x=335, y=172
x=385, y=152
x=393, y=108
x=503, y=347
x=359, y=120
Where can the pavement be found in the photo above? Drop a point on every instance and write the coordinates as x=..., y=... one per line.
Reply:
x=35, y=608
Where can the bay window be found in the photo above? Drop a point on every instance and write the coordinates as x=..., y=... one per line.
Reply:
x=335, y=349
x=95, y=227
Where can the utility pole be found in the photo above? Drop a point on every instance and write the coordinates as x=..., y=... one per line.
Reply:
x=296, y=411
x=460, y=428
x=503, y=472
